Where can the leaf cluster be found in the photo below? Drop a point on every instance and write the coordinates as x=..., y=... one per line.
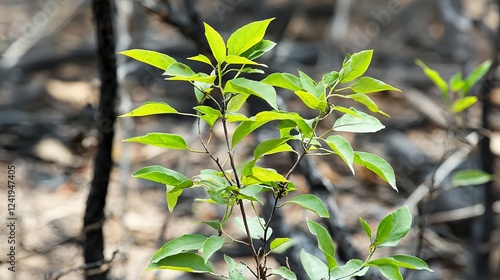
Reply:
x=232, y=184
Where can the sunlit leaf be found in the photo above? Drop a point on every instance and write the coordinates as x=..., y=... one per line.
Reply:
x=201, y=58
x=185, y=243
x=189, y=262
x=152, y=58
x=309, y=85
x=352, y=268
x=162, y=175
x=246, y=86
x=377, y=165
x=210, y=246
x=356, y=66
x=463, y=103
x=325, y=242
x=314, y=267
x=475, y=76
x=370, y=85
x=470, y=177
x=283, y=80
x=342, y=148
x=247, y=36
x=310, y=202
x=411, y=262
x=435, y=78
x=258, y=49
x=278, y=242
x=163, y=140
x=151, y=108
x=363, y=124
x=235, y=59
x=216, y=43
x=311, y=101
x=284, y=272
x=400, y=223
x=366, y=227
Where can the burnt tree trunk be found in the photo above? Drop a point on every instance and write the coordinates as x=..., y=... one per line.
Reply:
x=93, y=245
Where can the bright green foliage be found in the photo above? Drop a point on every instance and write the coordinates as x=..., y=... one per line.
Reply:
x=153, y=58
x=312, y=203
x=457, y=101
x=470, y=177
x=455, y=91
x=235, y=184
x=325, y=242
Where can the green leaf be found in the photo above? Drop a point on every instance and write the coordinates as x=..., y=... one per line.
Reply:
x=209, y=114
x=356, y=66
x=172, y=197
x=247, y=36
x=211, y=245
x=201, y=58
x=411, y=262
x=179, y=69
x=267, y=146
x=258, y=49
x=278, y=242
x=235, y=269
x=435, y=78
x=401, y=224
x=342, y=148
x=151, y=108
x=345, y=110
x=309, y=84
x=189, y=262
x=284, y=272
x=350, y=123
x=351, y=269
x=389, y=271
x=283, y=80
x=377, y=165
x=216, y=43
x=365, y=100
x=330, y=78
x=325, y=242
x=235, y=59
x=470, y=177
x=251, y=193
x=200, y=90
x=246, y=86
x=152, y=58
x=311, y=101
x=258, y=175
x=314, y=267
x=370, y=85
x=162, y=175
x=383, y=230
x=366, y=227
x=236, y=102
x=463, y=103
x=252, y=70
x=215, y=224
x=182, y=72
x=475, y=76
x=312, y=203
x=185, y=243
x=255, y=226
x=456, y=82
x=246, y=127
x=163, y=140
